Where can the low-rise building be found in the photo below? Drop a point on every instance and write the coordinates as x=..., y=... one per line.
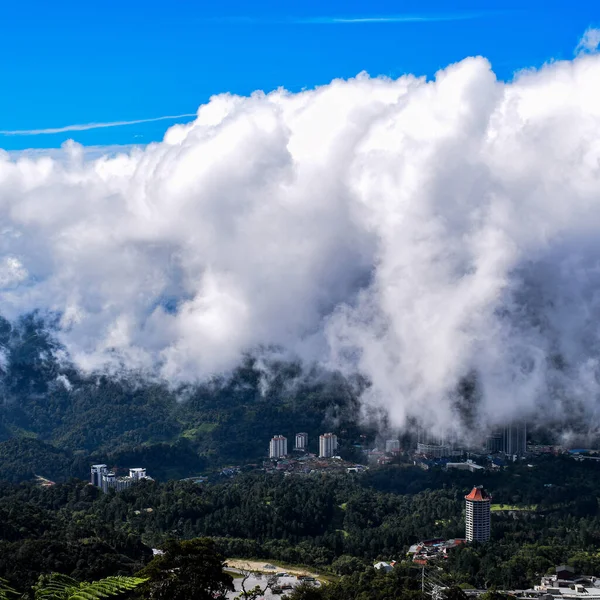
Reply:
x=469, y=465
x=434, y=549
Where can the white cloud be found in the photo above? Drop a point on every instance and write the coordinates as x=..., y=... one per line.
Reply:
x=589, y=42
x=414, y=231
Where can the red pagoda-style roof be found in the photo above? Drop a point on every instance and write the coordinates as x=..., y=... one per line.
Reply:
x=478, y=494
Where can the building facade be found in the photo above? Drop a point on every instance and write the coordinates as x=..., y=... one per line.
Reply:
x=137, y=474
x=301, y=442
x=104, y=479
x=432, y=445
x=327, y=445
x=515, y=439
x=392, y=446
x=495, y=442
x=96, y=473
x=511, y=440
x=278, y=447
x=478, y=515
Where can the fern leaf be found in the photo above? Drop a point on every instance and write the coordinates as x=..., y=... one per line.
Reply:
x=6, y=592
x=61, y=587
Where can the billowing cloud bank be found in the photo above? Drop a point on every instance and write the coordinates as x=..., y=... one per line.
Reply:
x=417, y=232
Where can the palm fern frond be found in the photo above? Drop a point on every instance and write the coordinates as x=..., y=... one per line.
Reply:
x=6, y=592
x=62, y=587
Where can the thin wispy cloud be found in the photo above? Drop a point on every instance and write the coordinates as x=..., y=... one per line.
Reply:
x=364, y=19
x=394, y=18
x=88, y=126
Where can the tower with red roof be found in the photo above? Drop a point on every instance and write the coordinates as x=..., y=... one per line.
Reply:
x=477, y=519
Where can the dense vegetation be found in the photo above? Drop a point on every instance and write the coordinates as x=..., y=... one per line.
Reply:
x=54, y=422
x=65, y=419
x=337, y=522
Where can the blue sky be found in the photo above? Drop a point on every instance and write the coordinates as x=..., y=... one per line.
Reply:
x=73, y=62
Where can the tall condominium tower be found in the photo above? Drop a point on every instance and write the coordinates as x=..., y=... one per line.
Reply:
x=96, y=473
x=477, y=519
x=434, y=446
x=327, y=445
x=278, y=447
x=515, y=439
x=511, y=440
x=301, y=441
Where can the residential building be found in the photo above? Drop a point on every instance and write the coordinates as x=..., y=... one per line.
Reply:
x=96, y=473
x=104, y=479
x=392, y=446
x=434, y=450
x=429, y=550
x=515, y=439
x=109, y=480
x=431, y=445
x=511, y=440
x=477, y=518
x=465, y=466
x=386, y=567
x=495, y=442
x=327, y=445
x=301, y=442
x=278, y=447
x=137, y=474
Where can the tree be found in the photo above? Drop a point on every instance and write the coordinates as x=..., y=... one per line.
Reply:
x=305, y=591
x=346, y=565
x=186, y=570
x=454, y=593
x=257, y=591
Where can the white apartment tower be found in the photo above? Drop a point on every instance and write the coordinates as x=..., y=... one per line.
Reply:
x=101, y=477
x=278, y=447
x=96, y=473
x=327, y=445
x=137, y=474
x=301, y=442
x=477, y=518
x=109, y=480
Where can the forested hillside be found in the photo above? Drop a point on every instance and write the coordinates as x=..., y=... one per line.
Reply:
x=336, y=522
x=67, y=420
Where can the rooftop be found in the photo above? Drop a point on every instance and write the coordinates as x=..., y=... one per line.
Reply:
x=478, y=494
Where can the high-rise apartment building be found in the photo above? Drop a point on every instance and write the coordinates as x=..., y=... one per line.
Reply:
x=392, y=446
x=515, y=439
x=477, y=517
x=301, y=442
x=511, y=440
x=327, y=445
x=96, y=473
x=104, y=479
x=278, y=447
x=431, y=445
x=109, y=480
x=137, y=474
x=495, y=442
